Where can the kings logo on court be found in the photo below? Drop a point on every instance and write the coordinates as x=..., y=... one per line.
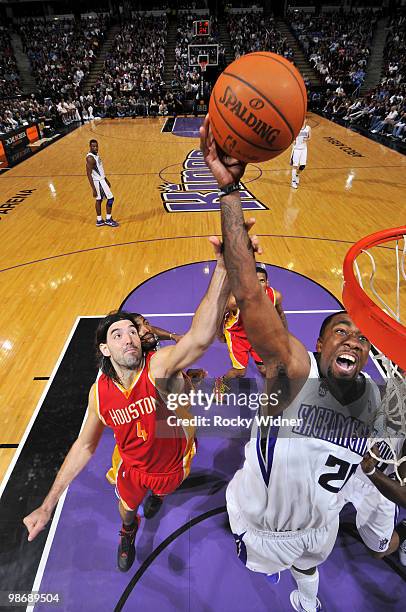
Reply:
x=198, y=189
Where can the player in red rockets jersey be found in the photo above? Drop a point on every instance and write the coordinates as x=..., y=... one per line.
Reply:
x=129, y=396
x=233, y=333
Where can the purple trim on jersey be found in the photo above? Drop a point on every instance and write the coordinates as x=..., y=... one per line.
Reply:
x=396, y=517
x=271, y=442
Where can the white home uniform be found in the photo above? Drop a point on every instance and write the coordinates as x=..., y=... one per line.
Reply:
x=99, y=179
x=376, y=515
x=283, y=505
x=299, y=149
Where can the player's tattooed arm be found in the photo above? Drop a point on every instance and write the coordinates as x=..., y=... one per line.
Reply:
x=264, y=328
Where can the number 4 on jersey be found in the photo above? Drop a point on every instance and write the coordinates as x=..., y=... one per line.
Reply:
x=141, y=433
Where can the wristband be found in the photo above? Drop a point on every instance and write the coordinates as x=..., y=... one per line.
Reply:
x=170, y=337
x=227, y=189
x=371, y=472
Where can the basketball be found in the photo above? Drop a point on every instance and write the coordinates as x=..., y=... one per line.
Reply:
x=257, y=106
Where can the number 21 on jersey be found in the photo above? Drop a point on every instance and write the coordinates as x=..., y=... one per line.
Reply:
x=344, y=473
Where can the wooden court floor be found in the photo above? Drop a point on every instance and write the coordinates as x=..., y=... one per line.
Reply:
x=56, y=264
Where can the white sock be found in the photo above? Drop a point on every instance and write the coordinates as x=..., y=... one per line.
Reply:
x=108, y=217
x=294, y=175
x=99, y=218
x=308, y=587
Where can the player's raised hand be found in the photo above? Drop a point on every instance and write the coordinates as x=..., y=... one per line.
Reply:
x=218, y=245
x=256, y=247
x=36, y=522
x=368, y=463
x=226, y=170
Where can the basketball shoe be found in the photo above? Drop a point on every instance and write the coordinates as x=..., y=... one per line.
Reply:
x=111, y=222
x=126, y=548
x=152, y=506
x=296, y=605
x=100, y=223
x=294, y=184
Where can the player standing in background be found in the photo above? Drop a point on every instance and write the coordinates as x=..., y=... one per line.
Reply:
x=283, y=505
x=129, y=396
x=298, y=158
x=100, y=185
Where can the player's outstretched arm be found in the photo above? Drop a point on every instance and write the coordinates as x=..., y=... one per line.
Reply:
x=77, y=458
x=264, y=327
x=163, y=334
x=391, y=489
x=202, y=332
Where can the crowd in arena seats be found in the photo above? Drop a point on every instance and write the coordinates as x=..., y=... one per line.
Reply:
x=17, y=113
x=112, y=105
x=251, y=32
x=132, y=77
x=61, y=52
x=337, y=44
x=9, y=78
x=383, y=109
x=132, y=85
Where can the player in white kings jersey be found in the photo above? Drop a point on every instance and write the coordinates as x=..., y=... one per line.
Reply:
x=283, y=505
x=298, y=157
x=100, y=185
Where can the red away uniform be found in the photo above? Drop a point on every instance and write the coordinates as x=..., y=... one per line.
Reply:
x=238, y=344
x=151, y=453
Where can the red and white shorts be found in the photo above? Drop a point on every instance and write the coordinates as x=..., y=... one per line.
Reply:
x=132, y=485
x=240, y=350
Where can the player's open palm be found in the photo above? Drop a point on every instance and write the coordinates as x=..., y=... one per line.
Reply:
x=226, y=170
x=36, y=522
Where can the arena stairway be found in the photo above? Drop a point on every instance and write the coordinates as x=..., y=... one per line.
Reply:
x=301, y=61
x=225, y=40
x=376, y=59
x=27, y=79
x=96, y=69
x=170, y=51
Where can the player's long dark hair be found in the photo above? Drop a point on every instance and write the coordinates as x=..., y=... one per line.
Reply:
x=103, y=362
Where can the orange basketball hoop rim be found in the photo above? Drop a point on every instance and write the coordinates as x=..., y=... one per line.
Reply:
x=387, y=334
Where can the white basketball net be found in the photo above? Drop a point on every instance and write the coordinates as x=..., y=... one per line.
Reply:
x=390, y=420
